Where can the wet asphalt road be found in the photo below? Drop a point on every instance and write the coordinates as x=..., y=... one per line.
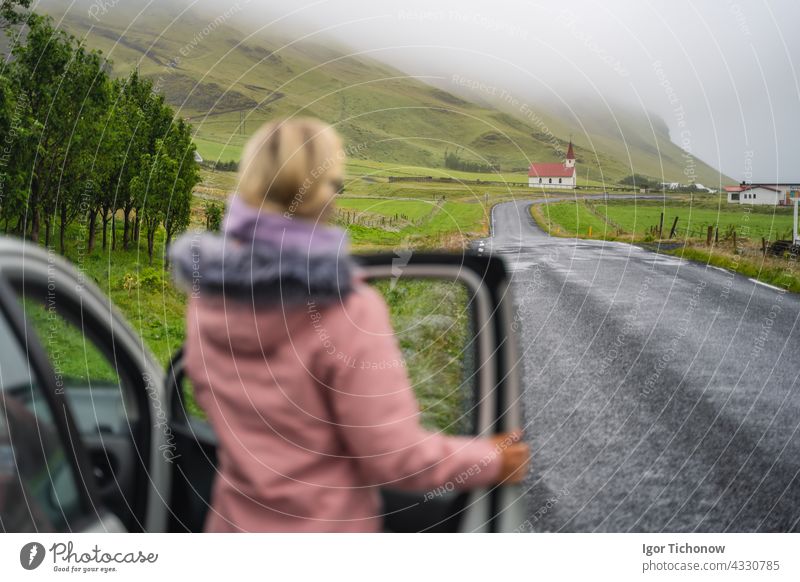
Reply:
x=660, y=394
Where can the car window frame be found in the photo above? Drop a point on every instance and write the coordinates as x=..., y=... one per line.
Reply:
x=494, y=324
x=69, y=437
x=23, y=262
x=102, y=338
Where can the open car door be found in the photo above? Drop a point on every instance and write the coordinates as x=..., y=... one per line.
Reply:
x=93, y=386
x=452, y=315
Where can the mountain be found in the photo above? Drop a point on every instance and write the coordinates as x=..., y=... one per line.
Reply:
x=228, y=82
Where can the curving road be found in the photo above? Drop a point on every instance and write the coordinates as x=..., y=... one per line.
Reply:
x=661, y=394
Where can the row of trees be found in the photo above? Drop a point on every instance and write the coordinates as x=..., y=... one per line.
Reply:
x=454, y=161
x=654, y=184
x=229, y=166
x=81, y=147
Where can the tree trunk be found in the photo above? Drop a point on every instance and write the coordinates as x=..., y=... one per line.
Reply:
x=151, y=238
x=136, y=228
x=105, y=229
x=167, y=240
x=35, y=225
x=92, y=230
x=62, y=230
x=126, y=228
x=113, y=231
x=47, y=228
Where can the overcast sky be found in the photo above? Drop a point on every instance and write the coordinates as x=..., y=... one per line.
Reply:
x=721, y=73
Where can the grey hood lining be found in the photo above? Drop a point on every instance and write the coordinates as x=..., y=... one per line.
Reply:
x=214, y=264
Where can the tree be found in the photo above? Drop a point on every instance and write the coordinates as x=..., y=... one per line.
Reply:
x=64, y=88
x=454, y=161
x=213, y=212
x=17, y=129
x=640, y=181
x=13, y=12
x=156, y=176
x=178, y=207
x=148, y=119
x=107, y=167
x=163, y=188
x=86, y=146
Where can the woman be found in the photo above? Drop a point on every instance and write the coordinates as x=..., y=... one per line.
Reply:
x=279, y=330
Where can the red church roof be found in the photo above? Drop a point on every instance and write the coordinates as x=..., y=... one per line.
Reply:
x=553, y=170
x=570, y=153
x=733, y=188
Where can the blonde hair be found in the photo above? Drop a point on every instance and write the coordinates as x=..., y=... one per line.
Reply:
x=292, y=166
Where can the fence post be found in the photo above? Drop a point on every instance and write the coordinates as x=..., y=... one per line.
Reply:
x=734, y=241
x=709, y=235
x=661, y=226
x=763, y=245
x=674, y=225
x=716, y=235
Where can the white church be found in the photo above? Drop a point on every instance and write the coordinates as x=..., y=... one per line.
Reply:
x=554, y=175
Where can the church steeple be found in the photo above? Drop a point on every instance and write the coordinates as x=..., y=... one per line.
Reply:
x=570, y=161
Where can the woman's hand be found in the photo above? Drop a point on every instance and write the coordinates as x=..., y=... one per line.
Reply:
x=514, y=457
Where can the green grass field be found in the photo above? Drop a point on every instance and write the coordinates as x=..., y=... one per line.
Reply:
x=627, y=220
x=412, y=209
x=446, y=226
x=568, y=218
x=463, y=218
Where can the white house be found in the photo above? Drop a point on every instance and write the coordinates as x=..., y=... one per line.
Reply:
x=554, y=175
x=761, y=195
x=734, y=193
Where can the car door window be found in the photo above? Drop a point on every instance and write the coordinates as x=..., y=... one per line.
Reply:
x=434, y=328
x=38, y=486
x=100, y=398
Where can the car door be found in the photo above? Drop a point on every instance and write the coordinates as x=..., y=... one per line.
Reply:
x=41, y=484
x=452, y=315
x=107, y=387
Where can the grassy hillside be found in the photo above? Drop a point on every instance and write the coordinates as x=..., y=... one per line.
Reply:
x=228, y=83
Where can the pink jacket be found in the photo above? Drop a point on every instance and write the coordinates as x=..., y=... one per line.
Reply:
x=313, y=411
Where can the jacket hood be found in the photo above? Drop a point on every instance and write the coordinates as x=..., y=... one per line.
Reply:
x=258, y=271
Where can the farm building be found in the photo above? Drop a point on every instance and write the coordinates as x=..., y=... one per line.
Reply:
x=733, y=193
x=761, y=194
x=554, y=175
